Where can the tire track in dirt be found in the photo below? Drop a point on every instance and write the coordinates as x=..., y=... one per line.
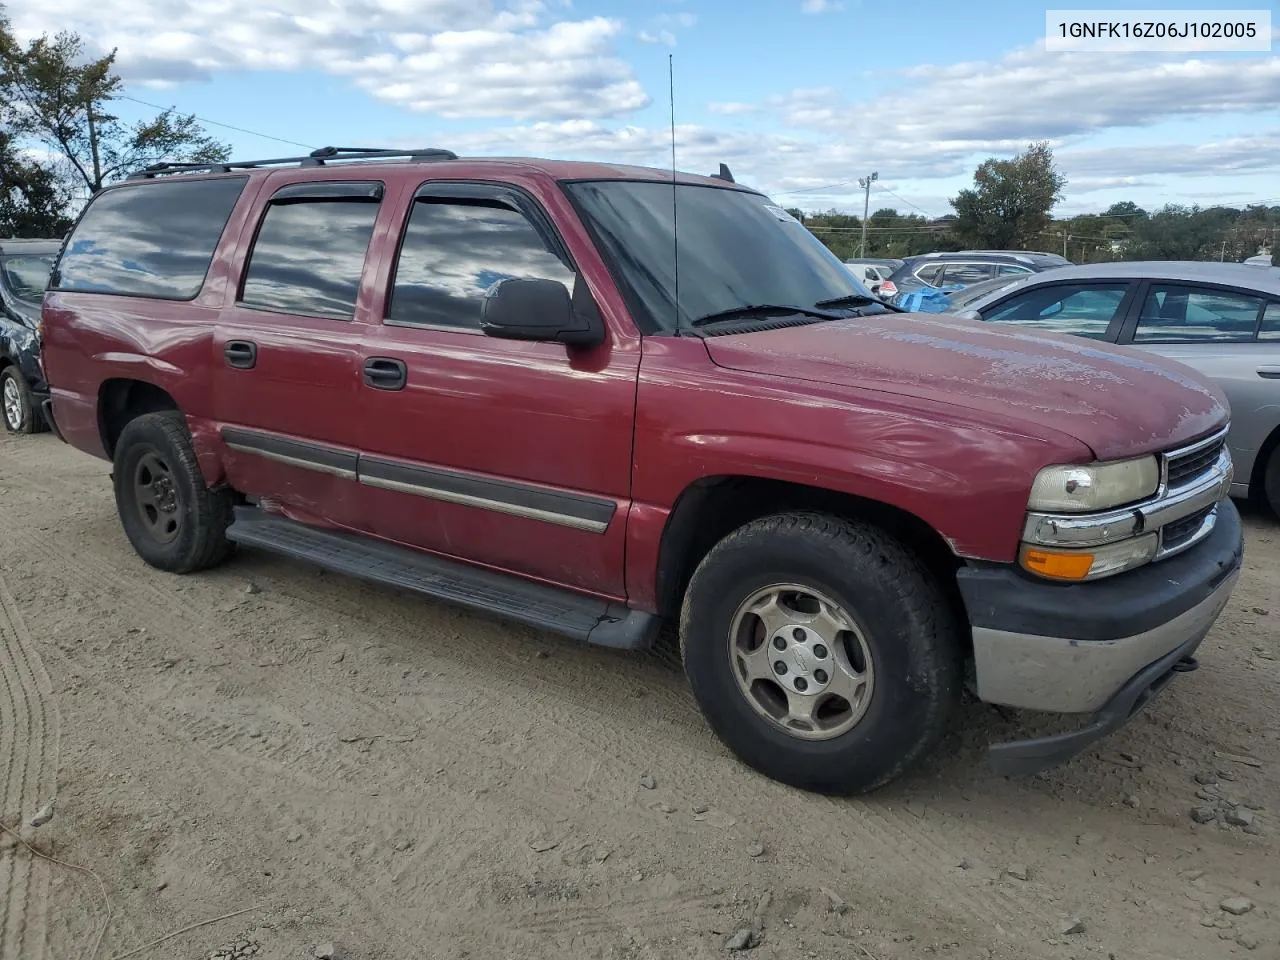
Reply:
x=29, y=719
x=483, y=655
x=864, y=828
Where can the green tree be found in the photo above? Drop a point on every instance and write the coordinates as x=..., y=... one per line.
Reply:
x=33, y=202
x=51, y=93
x=1010, y=203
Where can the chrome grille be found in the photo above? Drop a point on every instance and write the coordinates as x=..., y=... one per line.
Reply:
x=1180, y=532
x=1186, y=468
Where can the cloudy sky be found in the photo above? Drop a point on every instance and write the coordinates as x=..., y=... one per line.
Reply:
x=799, y=97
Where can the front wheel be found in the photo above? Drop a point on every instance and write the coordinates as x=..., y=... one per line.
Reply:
x=173, y=520
x=821, y=651
x=20, y=414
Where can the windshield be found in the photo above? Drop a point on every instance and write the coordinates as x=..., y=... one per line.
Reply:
x=26, y=277
x=735, y=249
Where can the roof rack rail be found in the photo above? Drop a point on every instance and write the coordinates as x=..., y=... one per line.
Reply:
x=316, y=158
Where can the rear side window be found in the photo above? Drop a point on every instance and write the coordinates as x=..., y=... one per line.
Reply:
x=1270, y=328
x=149, y=240
x=1181, y=314
x=929, y=272
x=310, y=251
x=967, y=273
x=454, y=250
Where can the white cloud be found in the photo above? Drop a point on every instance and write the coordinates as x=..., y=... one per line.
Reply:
x=1252, y=153
x=821, y=6
x=455, y=58
x=664, y=37
x=1033, y=94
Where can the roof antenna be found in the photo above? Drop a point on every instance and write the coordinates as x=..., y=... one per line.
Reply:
x=675, y=235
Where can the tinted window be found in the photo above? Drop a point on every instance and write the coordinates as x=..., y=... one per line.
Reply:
x=151, y=239
x=735, y=249
x=967, y=273
x=1180, y=314
x=1270, y=329
x=26, y=277
x=454, y=251
x=1085, y=310
x=1010, y=269
x=929, y=272
x=309, y=257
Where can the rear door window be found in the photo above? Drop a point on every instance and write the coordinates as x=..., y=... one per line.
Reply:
x=153, y=239
x=1178, y=313
x=1082, y=309
x=309, y=254
x=967, y=273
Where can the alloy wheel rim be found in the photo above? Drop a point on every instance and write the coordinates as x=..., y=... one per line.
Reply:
x=801, y=661
x=12, y=404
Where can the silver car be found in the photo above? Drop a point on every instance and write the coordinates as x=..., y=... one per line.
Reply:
x=1222, y=319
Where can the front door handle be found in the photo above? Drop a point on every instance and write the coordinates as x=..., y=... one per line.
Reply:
x=241, y=354
x=1269, y=373
x=385, y=373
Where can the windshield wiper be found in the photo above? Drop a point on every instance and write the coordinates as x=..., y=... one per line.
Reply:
x=748, y=310
x=858, y=300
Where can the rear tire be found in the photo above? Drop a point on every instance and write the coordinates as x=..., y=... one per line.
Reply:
x=864, y=631
x=16, y=407
x=1271, y=482
x=173, y=520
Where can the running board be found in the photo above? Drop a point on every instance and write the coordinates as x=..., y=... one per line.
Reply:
x=546, y=608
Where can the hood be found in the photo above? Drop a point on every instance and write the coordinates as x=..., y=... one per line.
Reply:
x=1118, y=401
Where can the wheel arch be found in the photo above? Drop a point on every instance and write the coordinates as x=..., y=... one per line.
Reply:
x=123, y=399
x=710, y=508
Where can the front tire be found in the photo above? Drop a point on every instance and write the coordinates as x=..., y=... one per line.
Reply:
x=821, y=651
x=173, y=520
x=16, y=408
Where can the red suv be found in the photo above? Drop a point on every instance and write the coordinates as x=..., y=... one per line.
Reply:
x=516, y=385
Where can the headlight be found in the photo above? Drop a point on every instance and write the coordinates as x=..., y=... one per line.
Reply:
x=1077, y=565
x=1095, y=486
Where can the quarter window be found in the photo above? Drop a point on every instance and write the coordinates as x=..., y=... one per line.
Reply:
x=1182, y=314
x=309, y=256
x=1010, y=269
x=149, y=239
x=1085, y=310
x=1270, y=327
x=929, y=272
x=455, y=250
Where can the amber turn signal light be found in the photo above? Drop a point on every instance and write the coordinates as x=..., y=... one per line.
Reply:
x=1056, y=564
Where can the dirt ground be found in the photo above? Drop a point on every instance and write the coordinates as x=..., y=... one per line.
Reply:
x=335, y=762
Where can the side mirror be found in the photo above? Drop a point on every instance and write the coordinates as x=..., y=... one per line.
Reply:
x=968, y=315
x=536, y=309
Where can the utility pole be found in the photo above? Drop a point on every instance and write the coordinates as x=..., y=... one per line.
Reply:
x=865, y=183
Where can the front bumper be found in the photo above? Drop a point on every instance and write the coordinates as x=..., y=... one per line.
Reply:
x=1102, y=648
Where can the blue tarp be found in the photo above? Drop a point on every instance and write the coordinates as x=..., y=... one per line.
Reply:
x=927, y=299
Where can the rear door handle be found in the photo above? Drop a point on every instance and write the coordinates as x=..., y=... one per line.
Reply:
x=1269, y=373
x=241, y=354
x=385, y=373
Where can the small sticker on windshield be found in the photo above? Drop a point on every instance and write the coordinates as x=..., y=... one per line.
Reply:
x=780, y=213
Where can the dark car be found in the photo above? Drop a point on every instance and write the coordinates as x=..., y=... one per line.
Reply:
x=477, y=378
x=958, y=270
x=24, y=273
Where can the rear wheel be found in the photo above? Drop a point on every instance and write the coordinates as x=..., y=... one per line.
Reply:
x=173, y=520
x=19, y=413
x=821, y=651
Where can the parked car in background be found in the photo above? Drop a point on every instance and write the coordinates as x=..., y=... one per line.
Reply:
x=873, y=272
x=1222, y=319
x=955, y=271
x=24, y=273
x=479, y=379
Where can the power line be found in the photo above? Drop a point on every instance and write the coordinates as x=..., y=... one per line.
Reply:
x=906, y=201
x=227, y=126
